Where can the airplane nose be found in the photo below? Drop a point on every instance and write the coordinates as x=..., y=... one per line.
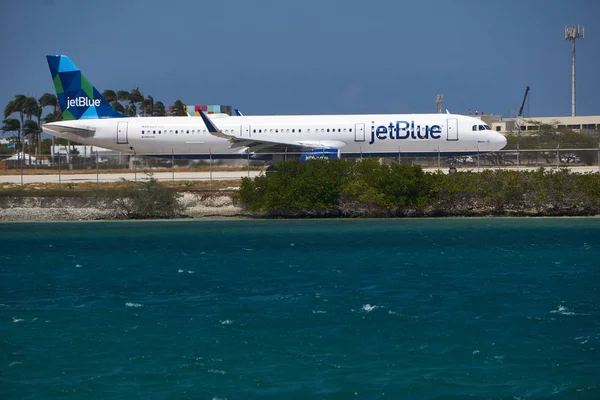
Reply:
x=501, y=141
x=498, y=141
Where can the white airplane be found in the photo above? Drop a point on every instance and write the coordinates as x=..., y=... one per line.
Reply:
x=89, y=119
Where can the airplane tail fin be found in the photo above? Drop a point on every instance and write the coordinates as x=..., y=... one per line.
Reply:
x=77, y=97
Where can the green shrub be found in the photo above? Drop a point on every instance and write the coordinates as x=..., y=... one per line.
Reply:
x=145, y=200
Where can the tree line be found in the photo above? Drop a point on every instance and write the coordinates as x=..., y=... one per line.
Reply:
x=345, y=188
x=23, y=114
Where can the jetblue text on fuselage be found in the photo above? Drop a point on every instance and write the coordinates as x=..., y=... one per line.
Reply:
x=404, y=130
x=82, y=101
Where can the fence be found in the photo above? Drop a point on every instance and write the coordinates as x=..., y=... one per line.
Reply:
x=60, y=170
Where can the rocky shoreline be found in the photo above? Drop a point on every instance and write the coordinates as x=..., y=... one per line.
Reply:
x=220, y=205
x=38, y=209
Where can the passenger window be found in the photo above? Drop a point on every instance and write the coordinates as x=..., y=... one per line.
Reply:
x=300, y=130
x=293, y=130
x=350, y=129
x=154, y=132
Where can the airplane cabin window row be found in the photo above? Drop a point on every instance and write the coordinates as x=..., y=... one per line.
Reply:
x=271, y=130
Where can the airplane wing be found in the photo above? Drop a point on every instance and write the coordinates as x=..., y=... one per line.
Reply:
x=257, y=145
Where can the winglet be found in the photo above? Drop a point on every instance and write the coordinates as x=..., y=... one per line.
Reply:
x=212, y=129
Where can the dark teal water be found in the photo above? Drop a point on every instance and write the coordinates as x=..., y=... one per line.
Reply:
x=319, y=309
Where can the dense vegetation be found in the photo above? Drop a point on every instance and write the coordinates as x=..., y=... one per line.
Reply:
x=347, y=188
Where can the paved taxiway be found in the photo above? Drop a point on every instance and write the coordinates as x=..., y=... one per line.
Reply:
x=205, y=176
x=130, y=176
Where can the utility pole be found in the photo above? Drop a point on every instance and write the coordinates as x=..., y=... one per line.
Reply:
x=573, y=33
x=438, y=101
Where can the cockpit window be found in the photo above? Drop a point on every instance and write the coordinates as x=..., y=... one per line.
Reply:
x=481, y=128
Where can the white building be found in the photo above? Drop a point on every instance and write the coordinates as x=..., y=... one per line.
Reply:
x=584, y=124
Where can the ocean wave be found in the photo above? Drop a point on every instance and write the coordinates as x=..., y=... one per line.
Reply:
x=562, y=310
x=135, y=305
x=216, y=371
x=368, y=307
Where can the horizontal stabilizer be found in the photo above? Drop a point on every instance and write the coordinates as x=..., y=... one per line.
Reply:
x=84, y=132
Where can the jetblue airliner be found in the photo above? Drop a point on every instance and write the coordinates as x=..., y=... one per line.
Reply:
x=89, y=119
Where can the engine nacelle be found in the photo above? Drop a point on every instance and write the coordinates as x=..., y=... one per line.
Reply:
x=320, y=154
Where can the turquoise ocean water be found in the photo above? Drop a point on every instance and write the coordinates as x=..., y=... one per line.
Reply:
x=310, y=309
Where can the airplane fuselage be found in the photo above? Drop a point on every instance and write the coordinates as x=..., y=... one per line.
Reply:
x=353, y=134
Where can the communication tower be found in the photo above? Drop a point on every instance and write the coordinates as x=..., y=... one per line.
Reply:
x=573, y=33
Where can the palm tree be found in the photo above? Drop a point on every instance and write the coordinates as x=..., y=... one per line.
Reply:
x=30, y=108
x=10, y=125
x=50, y=100
x=14, y=106
x=32, y=130
x=109, y=95
x=118, y=107
x=159, y=109
x=123, y=95
x=147, y=106
x=135, y=96
x=178, y=109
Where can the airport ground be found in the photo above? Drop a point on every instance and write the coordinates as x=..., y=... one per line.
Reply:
x=30, y=177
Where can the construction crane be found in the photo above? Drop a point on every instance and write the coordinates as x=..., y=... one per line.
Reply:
x=523, y=103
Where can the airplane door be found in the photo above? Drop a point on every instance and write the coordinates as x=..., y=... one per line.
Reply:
x=122, y=133
x=359, y=132
x=452, y=129
x=246, y=131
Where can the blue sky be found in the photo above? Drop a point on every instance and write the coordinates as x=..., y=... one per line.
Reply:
x=313, y=57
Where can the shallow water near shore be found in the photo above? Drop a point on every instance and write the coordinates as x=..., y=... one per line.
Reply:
x=324, y=309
